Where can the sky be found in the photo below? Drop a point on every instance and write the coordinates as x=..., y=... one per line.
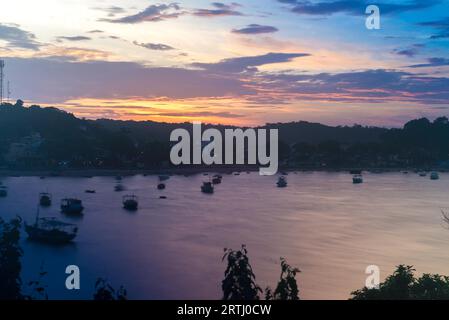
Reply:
x=243, y=63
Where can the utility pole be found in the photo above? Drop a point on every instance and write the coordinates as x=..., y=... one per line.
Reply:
x=8, y=92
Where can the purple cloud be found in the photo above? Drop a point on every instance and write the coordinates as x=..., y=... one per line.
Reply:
x=255, y=29
x=153, y=13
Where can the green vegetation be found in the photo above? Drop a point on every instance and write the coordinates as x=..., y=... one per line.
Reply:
x=403, y=285
x=51, y=138
x=240, y=281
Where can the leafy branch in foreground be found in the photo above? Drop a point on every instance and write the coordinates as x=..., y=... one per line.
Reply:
x=104, y=291
x=240, y=281
x=10, y=265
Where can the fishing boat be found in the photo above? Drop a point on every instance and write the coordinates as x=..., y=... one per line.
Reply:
x=161, y=186
x=216, y=179
x=45, y=199
x=51, y=230
x=356, y=179
x=434, y=176
x=207, y=187
x=130, y=202
x=282, y=182
x=90, y=191
x=3, y=191
x=119, y=187
x=71, y=206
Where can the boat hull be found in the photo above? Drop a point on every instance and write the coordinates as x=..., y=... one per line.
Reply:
x=49, y=236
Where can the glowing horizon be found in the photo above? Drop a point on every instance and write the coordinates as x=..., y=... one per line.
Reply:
x=245, y=63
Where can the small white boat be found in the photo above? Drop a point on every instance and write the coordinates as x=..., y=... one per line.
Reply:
x=434, y=176
x=357, y=179
x=282, y=182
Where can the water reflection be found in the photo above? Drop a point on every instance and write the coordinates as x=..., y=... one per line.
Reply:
x=171, y=248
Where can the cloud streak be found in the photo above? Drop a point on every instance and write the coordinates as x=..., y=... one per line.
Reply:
x=219, y=10
x=353, y=7
x=18, y=38
x=73, y=38
x=153, y=13
x=241, y=64
x=154, y=46
x=255, y=29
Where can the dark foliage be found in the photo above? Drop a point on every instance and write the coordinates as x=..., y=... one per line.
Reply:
x=287, y=288
x=81, y=143
x=104, y=291
x=10, y=265
x=403, y=285
x=240, y=282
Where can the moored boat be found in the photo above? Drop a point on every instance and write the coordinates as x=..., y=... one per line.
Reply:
x=357, y=179
x=119, y=187
x=45, y=199
x=71, y=206
x=216, y=179
x=51, y=230
x=130, y=202
x=207, y=187
x=282, y=182
x=434, y=175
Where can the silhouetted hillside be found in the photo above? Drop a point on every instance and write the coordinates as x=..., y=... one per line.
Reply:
x=32, y=137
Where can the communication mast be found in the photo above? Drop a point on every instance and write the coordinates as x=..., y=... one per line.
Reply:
x=8, y=92
x=2, y=66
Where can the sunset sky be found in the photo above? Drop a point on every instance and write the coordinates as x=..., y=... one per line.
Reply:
x=247, y=62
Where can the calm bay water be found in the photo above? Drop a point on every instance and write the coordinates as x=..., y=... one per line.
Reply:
x=172, y=248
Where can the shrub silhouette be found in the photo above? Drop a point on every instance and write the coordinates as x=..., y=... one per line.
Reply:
x=105, y=292
x=240, y=281
x=10, y=265
x=403, y=285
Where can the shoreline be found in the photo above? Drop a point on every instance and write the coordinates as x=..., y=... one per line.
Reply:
x=88, y=173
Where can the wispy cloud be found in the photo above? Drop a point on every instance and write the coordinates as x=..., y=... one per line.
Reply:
x=219, y=10
x=441, y=25
x=255, y=29
x=154, y=46
x=111, y=10
x=18, y=38
x=409, y=51
x=95, y=31
x=153, y=13
x=432, y=62
x=73, y=38
x=354, y=7
x=240, y=64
